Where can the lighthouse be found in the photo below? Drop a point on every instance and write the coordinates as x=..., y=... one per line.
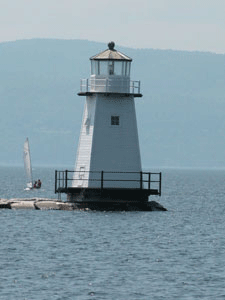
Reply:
x=108, y=171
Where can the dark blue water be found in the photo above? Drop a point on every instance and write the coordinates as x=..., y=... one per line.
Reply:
x=179, y=254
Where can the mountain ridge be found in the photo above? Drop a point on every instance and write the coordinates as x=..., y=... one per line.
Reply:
x=180, y=117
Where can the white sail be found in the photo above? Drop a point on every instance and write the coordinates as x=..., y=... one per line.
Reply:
x=27, y=164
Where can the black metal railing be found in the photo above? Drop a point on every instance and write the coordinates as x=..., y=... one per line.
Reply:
x=65, y=180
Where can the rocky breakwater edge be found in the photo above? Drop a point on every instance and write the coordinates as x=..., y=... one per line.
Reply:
x=55, y=204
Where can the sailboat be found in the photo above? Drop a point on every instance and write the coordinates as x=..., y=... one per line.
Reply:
x=27, y=165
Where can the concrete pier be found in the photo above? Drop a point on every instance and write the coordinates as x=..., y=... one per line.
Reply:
x=55, y=204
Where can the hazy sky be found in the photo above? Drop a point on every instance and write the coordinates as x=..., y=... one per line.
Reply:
x=163, y=24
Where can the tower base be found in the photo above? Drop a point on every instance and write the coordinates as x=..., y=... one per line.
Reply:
x=113, y=199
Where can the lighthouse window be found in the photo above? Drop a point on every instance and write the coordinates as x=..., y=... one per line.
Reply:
x=125, y=68
x=103, y=67
x=128, y=69
x=111, y=67
x=92, y=67
x=115, y=120
x=95, y=67
x=118, y=67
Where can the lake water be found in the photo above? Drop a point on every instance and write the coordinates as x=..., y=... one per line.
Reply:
x=178, y=254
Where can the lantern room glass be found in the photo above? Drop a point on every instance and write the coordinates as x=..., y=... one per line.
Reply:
x=110, y=67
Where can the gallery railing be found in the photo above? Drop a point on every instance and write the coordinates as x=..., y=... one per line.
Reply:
x=64, y=180
x=109, y=85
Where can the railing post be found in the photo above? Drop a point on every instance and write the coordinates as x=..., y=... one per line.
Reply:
x=149, y=181
x=160, y=183
x=86, y=85
x=66, y=179
x=63, y=179
x=141, y=180
x=106, y=85
x=102, y=180
x=55, y=181
x=59, y=179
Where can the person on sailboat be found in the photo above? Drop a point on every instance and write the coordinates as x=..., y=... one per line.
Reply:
x=39, y=183
x=35, y=185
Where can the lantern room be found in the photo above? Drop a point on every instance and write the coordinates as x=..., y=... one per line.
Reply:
x=110, y=63
x=110, y=73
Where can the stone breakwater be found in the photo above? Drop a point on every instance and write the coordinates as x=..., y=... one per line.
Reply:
x=55, y=204
x=36, y=203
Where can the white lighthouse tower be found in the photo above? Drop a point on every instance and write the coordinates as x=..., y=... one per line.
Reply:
x=109, y=137
x=108, y=163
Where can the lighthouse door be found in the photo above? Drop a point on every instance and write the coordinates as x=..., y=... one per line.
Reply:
x=81, y=176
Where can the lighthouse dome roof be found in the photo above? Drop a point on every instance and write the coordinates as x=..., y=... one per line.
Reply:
x=111, y=54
